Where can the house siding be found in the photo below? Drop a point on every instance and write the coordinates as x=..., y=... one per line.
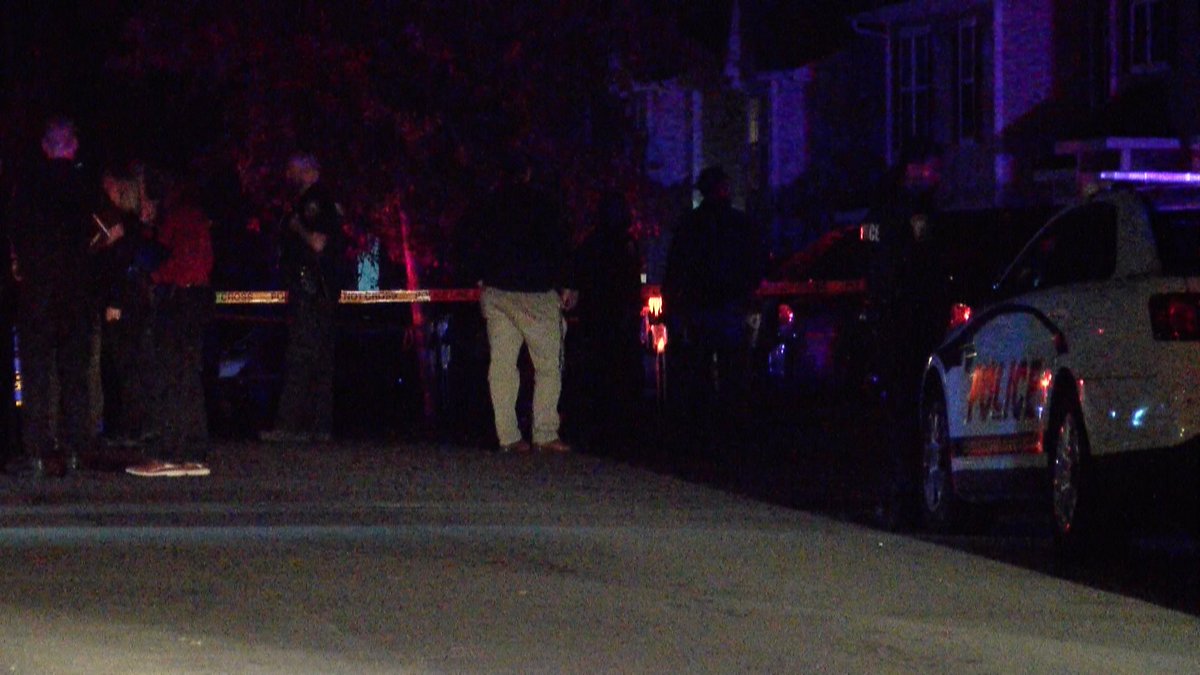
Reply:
x=1050, y=80
x=668, y=128
x=1024, y=68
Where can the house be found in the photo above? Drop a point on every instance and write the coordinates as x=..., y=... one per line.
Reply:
x=1024, y=100
x=1021, y=101
x=755, y=117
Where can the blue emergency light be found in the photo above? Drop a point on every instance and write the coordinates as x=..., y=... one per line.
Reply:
x=1152, y=177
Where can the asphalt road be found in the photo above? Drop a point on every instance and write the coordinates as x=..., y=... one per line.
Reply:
x=398, y=557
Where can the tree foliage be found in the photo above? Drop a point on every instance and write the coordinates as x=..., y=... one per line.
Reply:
x=410, y=106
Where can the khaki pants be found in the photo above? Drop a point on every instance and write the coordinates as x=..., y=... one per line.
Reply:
x=533, y=319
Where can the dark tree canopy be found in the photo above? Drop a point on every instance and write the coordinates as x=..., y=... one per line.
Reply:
x=410, y=105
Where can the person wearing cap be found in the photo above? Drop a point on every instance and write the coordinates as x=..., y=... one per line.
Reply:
x=311, y=246
x=715, y=263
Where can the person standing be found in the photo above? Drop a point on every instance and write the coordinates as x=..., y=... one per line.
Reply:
x=50, y=232
x=124, y=253
x=521, y=260
x=311, y=242
x=8, y=310
x=715, y=263
x=907, y=292
x=606, y=345
x=182, y=303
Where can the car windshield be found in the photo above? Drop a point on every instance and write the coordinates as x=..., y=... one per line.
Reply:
x=1175, y=220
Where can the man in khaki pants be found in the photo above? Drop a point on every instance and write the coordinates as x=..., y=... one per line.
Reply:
x=523, y=249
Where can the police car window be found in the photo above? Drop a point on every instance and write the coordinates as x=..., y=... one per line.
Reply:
x=1078, y=246
x=1085, y=248
x=1177, y=235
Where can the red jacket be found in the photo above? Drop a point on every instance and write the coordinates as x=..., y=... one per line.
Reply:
x=185, y=234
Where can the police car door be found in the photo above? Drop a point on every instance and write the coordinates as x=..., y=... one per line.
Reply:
x=1051, y=295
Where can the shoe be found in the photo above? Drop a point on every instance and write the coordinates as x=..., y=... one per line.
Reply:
x=555, y=445
x=519, y=447
x=156, y=468
x=195, y=469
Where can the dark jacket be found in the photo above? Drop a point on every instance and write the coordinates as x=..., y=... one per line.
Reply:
x=304, y=270
x=122, y=268
x=50, y=230
x=522, y=241
x=716, y=260
x=608, y=277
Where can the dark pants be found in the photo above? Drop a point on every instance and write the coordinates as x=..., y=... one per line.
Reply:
x=906, y=336
x=126, y=350
x=55, y=348
x=605, y=384
x=179, y=414
x=708, y=382
x=306, y=402
x=8, y=419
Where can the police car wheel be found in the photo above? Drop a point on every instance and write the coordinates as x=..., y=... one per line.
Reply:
x=1068, y=450
x=941, y=506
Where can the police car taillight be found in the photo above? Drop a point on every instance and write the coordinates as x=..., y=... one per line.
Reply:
x=1175, y=316
x=785, y=317
x=959, y=315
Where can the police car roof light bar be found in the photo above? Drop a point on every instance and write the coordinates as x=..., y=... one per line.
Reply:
x=1153, y=177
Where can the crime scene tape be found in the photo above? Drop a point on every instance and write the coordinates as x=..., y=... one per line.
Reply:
x=395, y=296
x=400, y=296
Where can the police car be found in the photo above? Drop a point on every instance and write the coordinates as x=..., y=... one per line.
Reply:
x=1085, y=362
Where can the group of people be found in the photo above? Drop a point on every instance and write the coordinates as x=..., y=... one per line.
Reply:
x=113, y=293
x=530, y=277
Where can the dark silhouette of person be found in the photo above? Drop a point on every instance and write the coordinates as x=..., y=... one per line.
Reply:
x=909, y=300
x=605, y=338
x=183, y=301
x=311, y=248
x=51, y=229
x=8, y=309
x=715, y=263
x=124, y=255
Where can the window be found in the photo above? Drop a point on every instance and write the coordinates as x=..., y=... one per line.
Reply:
x=753, y=120
x=1098, y=60
x=968, y=75
x=1077, y=247
x=1175, y=220
x=914, y=91
x=1149, y=36
x=758, y=166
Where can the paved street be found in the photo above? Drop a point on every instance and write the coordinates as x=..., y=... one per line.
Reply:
x=382, y=558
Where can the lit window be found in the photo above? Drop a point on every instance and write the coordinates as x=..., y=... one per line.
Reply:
x=753, y=111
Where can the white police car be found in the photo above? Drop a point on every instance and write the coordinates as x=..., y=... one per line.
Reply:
x=1087, y=360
